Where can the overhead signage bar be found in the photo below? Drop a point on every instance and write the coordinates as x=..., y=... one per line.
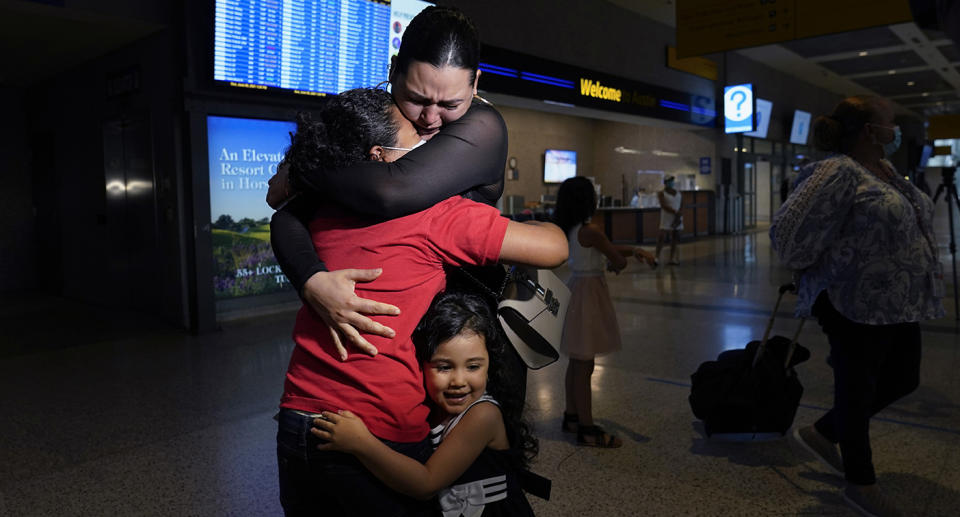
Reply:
x=699, y=66
x=508, y=72
x=708, y=26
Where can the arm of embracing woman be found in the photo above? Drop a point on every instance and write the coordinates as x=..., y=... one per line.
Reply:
x=465, y=155
x=291, y=241
x=330, y=294
x=459, y=449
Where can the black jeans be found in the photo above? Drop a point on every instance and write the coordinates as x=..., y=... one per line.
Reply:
x=331, y=483
x=873, y=366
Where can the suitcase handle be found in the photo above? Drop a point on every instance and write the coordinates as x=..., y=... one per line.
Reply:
x=793, y=344
x=785, y=288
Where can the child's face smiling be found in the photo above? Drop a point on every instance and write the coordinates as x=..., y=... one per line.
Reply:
x=456, y=375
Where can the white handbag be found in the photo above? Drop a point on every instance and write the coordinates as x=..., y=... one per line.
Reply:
x=531, y=310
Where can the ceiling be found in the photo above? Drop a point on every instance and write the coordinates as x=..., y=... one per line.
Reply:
x=917, y=69
x=38, y=41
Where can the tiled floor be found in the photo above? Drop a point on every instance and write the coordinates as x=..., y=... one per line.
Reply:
x=149, y=421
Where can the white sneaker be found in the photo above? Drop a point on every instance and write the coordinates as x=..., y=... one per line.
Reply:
x=870, y=501
x=821, y=448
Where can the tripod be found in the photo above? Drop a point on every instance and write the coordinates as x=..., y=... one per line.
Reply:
x=948, y=185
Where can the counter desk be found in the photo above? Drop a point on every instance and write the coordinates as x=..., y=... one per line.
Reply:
x=625, y=225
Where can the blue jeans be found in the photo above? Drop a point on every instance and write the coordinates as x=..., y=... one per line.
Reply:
x=325, y=483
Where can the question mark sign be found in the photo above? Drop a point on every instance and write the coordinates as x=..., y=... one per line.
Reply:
x=739, y=103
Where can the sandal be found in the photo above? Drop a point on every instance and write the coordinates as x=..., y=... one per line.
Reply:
x=570, y=423
x=600, y=438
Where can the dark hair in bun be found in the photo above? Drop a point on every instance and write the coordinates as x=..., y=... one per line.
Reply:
x=838, y=132
x=441, y=36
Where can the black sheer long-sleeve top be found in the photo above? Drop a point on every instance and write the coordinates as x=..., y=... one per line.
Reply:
x=465, y=157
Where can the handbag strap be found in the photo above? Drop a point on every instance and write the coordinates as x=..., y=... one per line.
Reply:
x=498, y=296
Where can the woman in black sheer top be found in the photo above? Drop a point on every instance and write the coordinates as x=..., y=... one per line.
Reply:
x=434, y=83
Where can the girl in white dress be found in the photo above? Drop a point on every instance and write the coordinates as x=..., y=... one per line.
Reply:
x=590, y=327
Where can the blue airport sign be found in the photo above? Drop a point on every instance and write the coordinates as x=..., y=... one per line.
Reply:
x=704, y=165
x=738, y=108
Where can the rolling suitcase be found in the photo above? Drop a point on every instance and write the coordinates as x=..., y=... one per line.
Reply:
x=754, y=390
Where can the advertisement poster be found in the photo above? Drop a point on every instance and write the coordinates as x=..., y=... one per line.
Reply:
x=243, y=156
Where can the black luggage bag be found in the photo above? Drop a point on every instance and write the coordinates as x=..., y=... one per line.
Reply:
x=751, y=390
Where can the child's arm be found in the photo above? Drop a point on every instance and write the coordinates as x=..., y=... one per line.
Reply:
x=590, y=236
x=346, y=432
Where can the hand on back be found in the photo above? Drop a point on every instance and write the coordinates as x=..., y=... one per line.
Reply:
x=331, y=295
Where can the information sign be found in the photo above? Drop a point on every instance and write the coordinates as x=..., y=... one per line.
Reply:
x=738, y=108
x=704, y=165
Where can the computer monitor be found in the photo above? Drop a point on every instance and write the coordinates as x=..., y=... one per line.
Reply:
x=762, y=116
x=925, y=155
x=801, y=127
x=559, y=165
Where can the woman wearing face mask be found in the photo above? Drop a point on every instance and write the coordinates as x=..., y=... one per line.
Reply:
x=434, y=82
x=861, y=240
x=671, y=222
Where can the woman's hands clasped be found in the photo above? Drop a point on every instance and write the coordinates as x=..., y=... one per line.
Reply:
x=331, y=295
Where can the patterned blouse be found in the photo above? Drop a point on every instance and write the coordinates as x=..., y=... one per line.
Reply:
x=868, y=243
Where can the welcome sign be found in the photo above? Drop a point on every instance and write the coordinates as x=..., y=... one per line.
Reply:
x=513, y=73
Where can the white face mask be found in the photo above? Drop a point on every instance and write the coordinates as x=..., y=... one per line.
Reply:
x=418, y=144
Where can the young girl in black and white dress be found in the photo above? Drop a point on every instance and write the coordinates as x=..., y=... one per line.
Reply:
x=481, y=441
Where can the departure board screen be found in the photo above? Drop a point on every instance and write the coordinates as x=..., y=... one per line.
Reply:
x=310, y=47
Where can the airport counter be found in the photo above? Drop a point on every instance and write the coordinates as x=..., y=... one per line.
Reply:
x=625, y=225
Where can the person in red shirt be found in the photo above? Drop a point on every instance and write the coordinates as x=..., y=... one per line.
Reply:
x=385, y=390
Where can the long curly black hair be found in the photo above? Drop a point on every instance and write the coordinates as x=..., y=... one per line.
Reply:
x=453, y=312
x=346, y=126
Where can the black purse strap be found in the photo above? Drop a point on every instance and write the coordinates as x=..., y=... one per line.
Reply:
x=498, y=296
x=534, y=484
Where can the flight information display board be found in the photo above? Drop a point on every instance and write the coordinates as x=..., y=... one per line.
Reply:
x=310, y=47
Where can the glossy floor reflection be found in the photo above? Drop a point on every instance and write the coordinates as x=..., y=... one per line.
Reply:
x=148, y=421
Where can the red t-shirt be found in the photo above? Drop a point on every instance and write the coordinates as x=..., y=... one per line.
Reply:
x=386, y=391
